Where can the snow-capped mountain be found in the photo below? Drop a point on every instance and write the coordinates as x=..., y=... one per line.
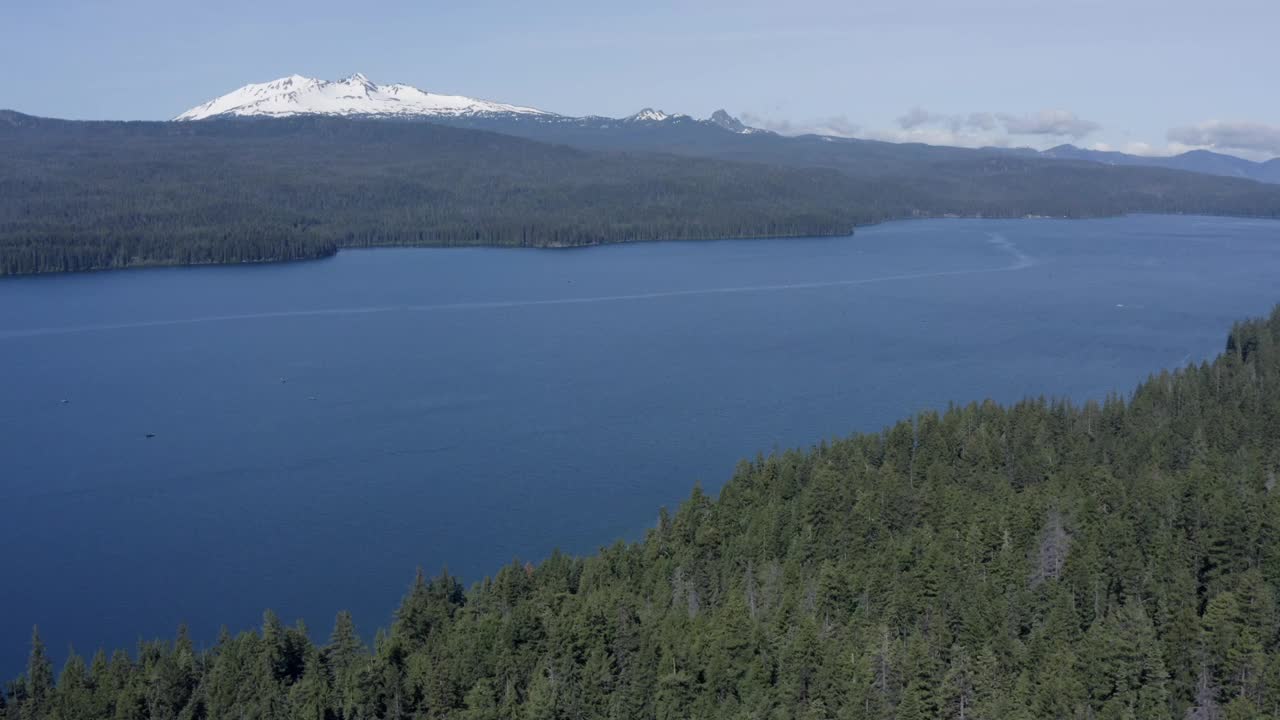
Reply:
x=352, y=96
x=357, y=96
x=651, y=115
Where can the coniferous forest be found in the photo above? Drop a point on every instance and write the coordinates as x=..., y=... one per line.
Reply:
x=1119, y=559
x=98, y=195
x=84, y=196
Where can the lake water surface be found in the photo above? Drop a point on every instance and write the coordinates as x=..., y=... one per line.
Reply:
x=321, y=429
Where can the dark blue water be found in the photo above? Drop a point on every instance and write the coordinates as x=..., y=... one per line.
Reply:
x=324, y=428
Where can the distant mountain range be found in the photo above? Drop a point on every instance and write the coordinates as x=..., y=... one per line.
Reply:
x=358, y=96
x=654, y=130
x=1201, y=161
x=300, y=167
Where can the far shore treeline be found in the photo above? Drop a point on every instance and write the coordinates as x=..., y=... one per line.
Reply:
x=97, y=195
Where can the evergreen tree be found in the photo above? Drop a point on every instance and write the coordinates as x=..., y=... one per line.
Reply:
x=39, y=685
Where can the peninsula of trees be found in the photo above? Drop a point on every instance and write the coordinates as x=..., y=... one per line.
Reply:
x=1114, y=560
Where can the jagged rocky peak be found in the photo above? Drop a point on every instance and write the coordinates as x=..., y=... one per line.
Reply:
x=728, y=122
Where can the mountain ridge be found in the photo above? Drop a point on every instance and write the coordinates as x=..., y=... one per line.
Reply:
x=649, y=129
x=1202, y=161
x=358, y=96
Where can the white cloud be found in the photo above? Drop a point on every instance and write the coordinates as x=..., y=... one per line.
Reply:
x=1242, y=137
x=918, y=116
x=1062, y=123
x=956, y=137
x=1252, y=140
x=982, y=121
x=836, y=125
x=1134, y=148
x=919, y=125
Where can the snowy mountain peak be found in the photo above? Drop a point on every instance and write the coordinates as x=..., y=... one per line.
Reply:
x=357, y=79
x=649, y=115
x=355, y=95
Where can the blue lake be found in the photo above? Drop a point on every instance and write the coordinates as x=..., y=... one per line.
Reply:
x=322, y=429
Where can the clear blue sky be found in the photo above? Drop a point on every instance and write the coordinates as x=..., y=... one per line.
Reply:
x=1115, y=73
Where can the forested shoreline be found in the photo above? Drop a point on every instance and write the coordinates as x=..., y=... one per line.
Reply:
x=100, y=195
x=1116, y=559
x=85, y=196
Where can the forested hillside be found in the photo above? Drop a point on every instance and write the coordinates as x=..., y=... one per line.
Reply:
x=1115, y=560
x=80, y=196
x=936, y=170
x=92, y=195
